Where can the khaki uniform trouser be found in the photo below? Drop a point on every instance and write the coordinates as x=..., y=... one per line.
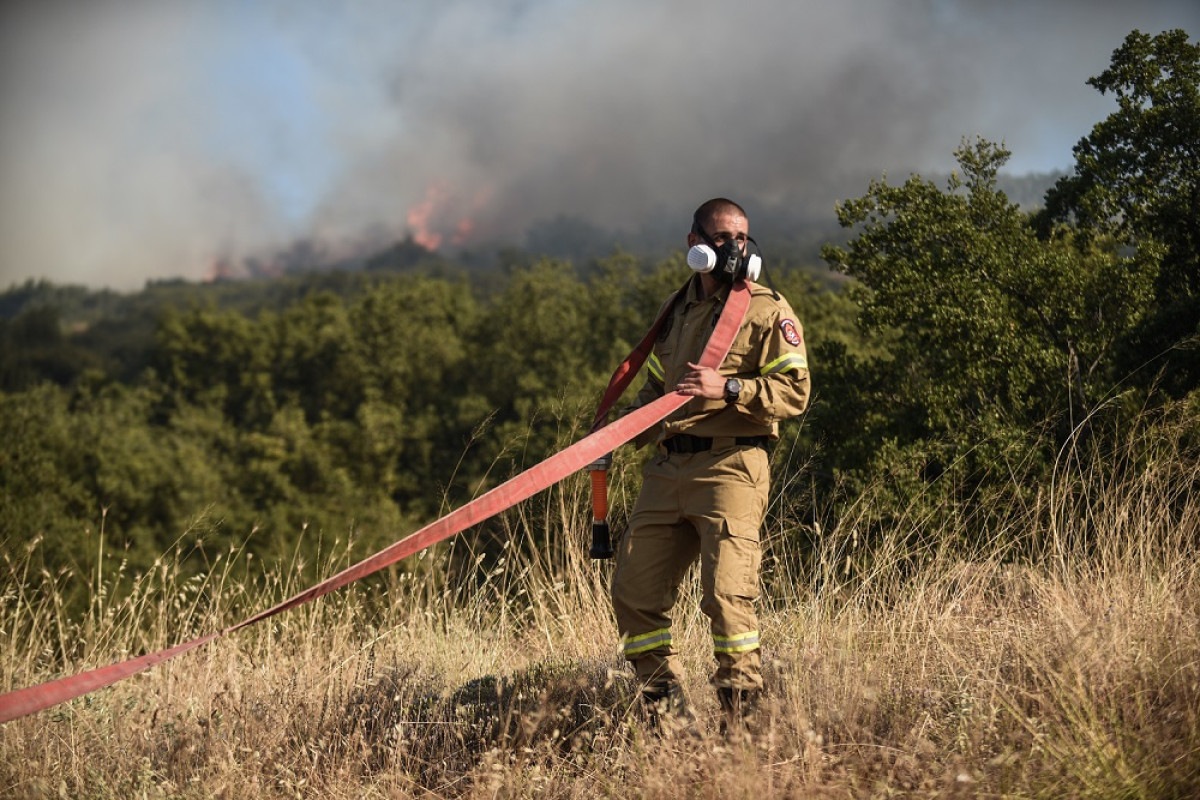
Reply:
x=708, y=505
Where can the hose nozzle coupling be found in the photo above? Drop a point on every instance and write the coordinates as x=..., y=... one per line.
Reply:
x=601, y=464
x=601, y=537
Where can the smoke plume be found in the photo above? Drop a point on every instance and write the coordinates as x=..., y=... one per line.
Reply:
x=146, y=140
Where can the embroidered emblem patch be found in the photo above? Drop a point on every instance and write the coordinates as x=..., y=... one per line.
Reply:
x=790, y=333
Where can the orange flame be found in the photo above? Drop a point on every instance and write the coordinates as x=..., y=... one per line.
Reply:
x=423, y=218
x=420, y=217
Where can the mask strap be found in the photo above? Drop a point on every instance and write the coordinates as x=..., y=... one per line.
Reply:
x=698, y=229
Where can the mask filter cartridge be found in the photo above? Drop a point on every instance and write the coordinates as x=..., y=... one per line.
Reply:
x=702, y=258
x=753, y=267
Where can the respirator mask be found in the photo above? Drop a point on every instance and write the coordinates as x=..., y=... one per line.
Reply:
x=725, y=262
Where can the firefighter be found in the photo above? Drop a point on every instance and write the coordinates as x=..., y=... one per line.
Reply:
x=704, y=491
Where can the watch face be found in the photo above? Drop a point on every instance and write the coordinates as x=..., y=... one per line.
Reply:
x=733, y=387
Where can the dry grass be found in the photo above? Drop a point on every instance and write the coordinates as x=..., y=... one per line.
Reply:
x=945, y=672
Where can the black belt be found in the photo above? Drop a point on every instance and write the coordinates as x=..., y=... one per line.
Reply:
x=685, y=443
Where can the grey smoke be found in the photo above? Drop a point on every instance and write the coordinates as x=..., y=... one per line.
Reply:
x=123, y=157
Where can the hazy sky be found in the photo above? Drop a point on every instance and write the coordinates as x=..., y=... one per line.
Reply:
x=143, y=139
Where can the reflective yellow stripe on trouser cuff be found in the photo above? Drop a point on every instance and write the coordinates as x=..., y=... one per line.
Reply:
x=645, y=642
x=741, y=643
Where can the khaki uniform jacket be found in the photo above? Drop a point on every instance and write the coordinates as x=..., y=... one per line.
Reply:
x=767, y=356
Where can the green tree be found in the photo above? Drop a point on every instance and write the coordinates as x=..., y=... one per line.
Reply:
x=314, y=364
x=990, y=330
x=414, y=337
x=89, y=461
x=1137, y=181
x=217, y=358
x=33, y=349
x=623, y=296
x=530, y=357
x=40, y=497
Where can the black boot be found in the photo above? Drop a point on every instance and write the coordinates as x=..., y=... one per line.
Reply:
x=739, y=713
x=667, y=711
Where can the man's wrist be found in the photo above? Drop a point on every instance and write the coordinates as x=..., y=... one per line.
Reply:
x=733, y=390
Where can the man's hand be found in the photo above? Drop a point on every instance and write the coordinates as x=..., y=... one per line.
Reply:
x=702, y=382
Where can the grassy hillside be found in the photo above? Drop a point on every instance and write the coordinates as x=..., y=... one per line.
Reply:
x=916, y=667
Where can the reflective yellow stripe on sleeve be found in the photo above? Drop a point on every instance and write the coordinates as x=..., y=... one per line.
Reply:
x=785, y=363
x=741, y=643
x=656, y=368
x=645, y=642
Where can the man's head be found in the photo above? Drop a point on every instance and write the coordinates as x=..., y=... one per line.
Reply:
x=717, y=244
x=717, y=221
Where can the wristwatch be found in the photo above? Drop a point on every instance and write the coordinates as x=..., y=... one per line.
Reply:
x=733, y=388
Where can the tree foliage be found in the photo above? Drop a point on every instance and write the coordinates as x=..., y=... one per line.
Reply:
x=366, y=412
x=1005, y=331
x=1137, y=182
x=987, y=324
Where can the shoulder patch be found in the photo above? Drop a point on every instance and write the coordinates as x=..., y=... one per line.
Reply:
x=790, y=333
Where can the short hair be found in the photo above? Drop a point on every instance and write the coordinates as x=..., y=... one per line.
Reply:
x=710, y=209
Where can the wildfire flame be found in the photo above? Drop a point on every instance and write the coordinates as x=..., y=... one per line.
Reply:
x=427, y=220
x=420, y=217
